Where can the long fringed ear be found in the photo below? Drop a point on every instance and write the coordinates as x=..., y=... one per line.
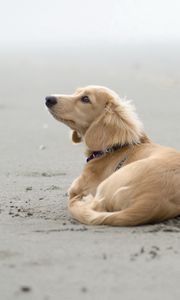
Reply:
x=76, y=138
x=117, y=125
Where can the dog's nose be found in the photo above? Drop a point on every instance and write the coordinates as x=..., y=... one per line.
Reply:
x=50, y=101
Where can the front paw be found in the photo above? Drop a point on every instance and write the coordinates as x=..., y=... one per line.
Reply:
x=72, y=193
x=74, y=189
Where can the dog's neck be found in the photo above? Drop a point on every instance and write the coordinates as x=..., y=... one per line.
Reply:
x=96, y=154
x=91, y=155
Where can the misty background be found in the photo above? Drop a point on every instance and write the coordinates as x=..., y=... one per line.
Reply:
x=56, y=22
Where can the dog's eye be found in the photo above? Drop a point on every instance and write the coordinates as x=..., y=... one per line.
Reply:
x=85, y=99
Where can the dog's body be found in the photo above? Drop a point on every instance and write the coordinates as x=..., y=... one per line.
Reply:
x=128, y=180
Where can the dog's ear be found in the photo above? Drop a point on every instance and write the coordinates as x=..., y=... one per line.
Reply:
x=76, y=138
x=117, y=125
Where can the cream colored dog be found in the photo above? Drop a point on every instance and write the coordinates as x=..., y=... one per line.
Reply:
x=127, y=180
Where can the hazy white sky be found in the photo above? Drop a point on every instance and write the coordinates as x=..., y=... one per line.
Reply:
x=44, y=21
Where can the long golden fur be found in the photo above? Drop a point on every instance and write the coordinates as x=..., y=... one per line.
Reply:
x=145, y=189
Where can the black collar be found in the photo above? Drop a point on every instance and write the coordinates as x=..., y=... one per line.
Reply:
x=112, y=149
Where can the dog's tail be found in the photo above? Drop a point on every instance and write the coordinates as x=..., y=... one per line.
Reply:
x=137, y=214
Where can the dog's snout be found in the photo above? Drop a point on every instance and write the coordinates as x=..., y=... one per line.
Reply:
x=50, y=101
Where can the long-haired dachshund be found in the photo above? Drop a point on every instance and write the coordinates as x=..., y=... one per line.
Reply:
x=127, y=179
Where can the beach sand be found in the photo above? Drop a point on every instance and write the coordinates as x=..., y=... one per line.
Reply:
x=44, y=253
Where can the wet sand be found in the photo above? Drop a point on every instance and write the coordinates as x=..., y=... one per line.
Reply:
x=44, y=254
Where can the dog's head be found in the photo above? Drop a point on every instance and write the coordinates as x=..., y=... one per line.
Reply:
x=98, y=116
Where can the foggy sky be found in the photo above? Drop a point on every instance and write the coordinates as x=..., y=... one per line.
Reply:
x=59, y=21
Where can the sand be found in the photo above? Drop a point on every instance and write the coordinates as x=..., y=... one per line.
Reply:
x=44, y=253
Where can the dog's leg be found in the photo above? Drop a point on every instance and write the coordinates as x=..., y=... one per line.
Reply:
x=141, y=212
x=135, y=200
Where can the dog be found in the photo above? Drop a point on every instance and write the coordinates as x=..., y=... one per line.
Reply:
x=127, y=180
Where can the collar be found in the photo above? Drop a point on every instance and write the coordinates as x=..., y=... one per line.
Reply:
x=112, y=149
